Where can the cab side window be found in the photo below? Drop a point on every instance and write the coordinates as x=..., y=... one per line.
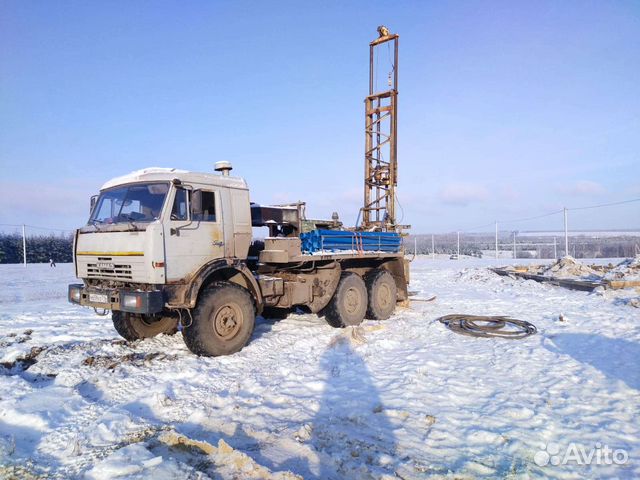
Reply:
x=180, y=210
x=208, y=208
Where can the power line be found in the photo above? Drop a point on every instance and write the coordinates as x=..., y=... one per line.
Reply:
x=531, y=218
x=479, y=226
x=606, y=204
x=36, y=227
x=512, y=221
x=526, y=219
x=51, y=229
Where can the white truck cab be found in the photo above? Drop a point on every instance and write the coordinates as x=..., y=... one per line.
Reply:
x=191, y=211
x=157, y=225
x=154, y=227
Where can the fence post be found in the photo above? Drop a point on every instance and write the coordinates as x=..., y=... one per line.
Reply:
x=555, y=249
x=415, y=246
x=24, y=246
x=458, y=245
x=515, y=255
x=566, y=233
x=496, y=240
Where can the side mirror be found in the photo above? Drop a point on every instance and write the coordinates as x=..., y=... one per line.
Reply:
x=196, y=204
x=94, y=199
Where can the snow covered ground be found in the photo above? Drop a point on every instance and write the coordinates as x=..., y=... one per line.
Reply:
x=405, y=398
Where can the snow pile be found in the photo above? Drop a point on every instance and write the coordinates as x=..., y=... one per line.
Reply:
x=135, y=462
x=627, y=270
x=225, y=461
x=569, y=267
x=475, y=275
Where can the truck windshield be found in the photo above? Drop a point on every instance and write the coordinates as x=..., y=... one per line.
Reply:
x=141, y=202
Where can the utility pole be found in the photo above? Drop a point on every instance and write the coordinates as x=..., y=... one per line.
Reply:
x=458, y=245
x=496, y=240
x=24, y=246
x=514, y=246
x=433, y=247
x=566, y=233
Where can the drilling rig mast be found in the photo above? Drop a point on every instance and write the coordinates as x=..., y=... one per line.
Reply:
x=381, y=126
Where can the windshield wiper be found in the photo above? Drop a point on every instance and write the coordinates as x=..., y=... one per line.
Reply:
x=130, y=220
x=95, y=224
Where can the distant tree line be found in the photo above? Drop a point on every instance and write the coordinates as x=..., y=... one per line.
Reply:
x=40, y=248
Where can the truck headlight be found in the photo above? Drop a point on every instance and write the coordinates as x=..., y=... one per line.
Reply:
x=132, y=301
x=75, y=293
x=138, y=301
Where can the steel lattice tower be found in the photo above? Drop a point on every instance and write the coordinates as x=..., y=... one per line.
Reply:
x=381, y=125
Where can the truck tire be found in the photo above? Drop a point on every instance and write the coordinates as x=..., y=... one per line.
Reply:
x=132, y=327
x=275, y=313
x=383, y=294
x=348, y=305
x=223, y=321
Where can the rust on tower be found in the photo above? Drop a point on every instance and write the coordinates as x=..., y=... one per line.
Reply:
x=381, y=147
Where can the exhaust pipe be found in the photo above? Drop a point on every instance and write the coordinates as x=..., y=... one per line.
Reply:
x=224, y=167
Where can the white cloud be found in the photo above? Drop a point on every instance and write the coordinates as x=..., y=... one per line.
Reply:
x=463, y=193
x=582, y=188
x=509, y=193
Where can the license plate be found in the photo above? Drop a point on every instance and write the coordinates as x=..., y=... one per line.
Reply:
x=98, y=298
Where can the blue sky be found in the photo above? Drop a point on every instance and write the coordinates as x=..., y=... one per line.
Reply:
x=506, y=109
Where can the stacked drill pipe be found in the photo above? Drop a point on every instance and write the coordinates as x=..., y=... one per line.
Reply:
x=337, y=240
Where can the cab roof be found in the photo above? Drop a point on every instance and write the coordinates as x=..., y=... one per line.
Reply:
x=158, y=174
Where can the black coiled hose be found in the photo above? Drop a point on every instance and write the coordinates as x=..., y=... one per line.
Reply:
x=488, y=326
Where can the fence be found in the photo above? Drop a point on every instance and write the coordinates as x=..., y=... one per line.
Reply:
x=555, y=241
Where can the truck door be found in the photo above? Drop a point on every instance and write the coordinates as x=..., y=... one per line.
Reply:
x=193, y=238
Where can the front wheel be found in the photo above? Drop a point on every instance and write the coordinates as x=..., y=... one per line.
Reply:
x=223, y=321
x=132, y=326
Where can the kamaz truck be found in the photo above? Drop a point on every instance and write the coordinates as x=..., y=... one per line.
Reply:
x=169, y=250
x=166, y=249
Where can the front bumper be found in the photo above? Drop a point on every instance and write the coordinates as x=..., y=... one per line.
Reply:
x=122, y=299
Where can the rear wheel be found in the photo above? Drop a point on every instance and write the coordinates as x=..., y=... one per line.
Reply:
x=383, y=293
x=349, y=302
x=132, y=326
x=223, y=321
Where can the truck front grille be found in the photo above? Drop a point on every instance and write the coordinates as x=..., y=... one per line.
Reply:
x=119, y=271
x=124, y=269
